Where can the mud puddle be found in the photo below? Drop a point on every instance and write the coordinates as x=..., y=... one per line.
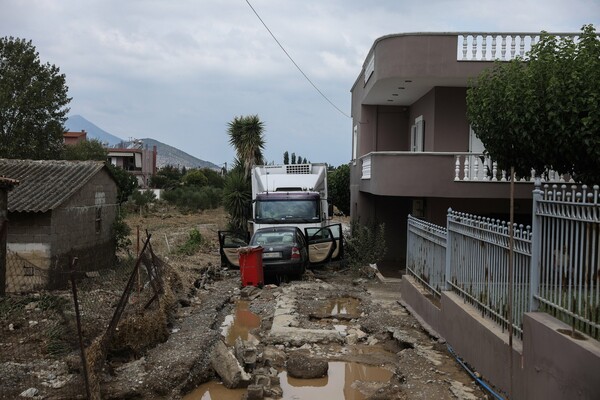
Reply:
x=240, y=323
x=339, y=384
x=346, y=306
x=215, y=391
x=342, y=383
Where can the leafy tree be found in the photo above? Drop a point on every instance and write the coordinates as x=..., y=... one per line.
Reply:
x=247, y=138
x=214, y=178
x=339, y=187
x=195, y=177
x=126, y=183
x=166, y=177
x=85, y=150
x=33, y=103
x=543, y=112
x=286, y=158
x=293, y=158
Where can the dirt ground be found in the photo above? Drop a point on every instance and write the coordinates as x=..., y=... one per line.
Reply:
x=381, y=351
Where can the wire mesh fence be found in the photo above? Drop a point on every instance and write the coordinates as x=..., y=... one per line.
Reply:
x=54, y=343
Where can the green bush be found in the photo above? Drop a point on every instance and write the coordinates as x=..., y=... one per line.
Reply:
x=121, y=231
x=190, y=198
x=193, y=244
x=366, y=244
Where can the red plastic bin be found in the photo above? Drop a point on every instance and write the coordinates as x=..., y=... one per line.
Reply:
x=251, y=267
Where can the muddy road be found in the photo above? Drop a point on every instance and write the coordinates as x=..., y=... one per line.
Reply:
x=332, y=335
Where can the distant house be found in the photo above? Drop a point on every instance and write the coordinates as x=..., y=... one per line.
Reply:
x=59, y=210
x=71, y=138
x=137, y=160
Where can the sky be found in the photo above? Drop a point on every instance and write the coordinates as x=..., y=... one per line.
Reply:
x=179, y=71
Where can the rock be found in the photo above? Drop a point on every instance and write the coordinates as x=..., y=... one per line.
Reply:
x=228, y=368
x=351, y=338
x=304, y=367
x=31, y=392
x=255, y=392
x=274, y=357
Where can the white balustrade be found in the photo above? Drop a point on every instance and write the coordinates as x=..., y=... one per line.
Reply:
x=366, y=168
x=475, y=44
x=479, y=168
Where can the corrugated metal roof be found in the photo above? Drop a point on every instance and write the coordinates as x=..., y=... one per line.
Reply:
x=8, y=183
x=45, y=184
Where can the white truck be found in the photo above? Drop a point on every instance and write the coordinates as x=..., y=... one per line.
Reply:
x=291, y=195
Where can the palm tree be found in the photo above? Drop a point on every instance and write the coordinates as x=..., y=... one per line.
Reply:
x=247, y=138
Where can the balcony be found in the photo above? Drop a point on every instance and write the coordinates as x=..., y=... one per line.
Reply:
x=440, y=174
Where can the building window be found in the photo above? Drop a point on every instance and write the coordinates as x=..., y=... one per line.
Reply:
x=417, y=136
x=28, y=270
x=98, y=219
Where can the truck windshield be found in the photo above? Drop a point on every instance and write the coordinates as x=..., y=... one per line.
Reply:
x=287, y=210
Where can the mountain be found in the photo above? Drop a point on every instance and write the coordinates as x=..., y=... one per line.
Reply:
x=169, y=155
x=77, y=123
x=166, y=155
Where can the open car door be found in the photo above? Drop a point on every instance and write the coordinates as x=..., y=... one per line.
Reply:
x=229, y=243
x=336, y=230
x=321, y=244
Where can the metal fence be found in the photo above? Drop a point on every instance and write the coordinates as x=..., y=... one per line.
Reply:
x=567, y=255
x=427, y=254
x=55, y=343
x=556, y=262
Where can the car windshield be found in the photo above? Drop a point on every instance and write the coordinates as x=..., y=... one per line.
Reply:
x=272, y=238
x=288, y=209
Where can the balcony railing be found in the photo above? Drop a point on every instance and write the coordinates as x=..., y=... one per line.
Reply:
x=468, y=167
x=480, y=168
x=482, y=46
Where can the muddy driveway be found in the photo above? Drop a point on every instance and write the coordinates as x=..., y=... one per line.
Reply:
x=333, y=335
x=330, y=336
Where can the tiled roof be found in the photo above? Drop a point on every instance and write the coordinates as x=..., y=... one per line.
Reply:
x=45, y=184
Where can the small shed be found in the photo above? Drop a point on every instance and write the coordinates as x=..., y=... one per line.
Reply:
x=59, y=210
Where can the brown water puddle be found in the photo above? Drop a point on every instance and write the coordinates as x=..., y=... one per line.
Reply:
x=348, y=306
x=215, y=391
x=338, y=385
x=240, y=323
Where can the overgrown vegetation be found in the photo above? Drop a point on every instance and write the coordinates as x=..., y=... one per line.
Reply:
x=366, y=244
x=120, y=232
x=193, y=198
x=339, y=187
x=193, y=244
x=141, y=199
x=237, y=197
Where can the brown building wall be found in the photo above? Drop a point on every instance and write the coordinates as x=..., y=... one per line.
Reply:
x=392, y=129
x=76, y=233
x=451, y=126
x=425, y=106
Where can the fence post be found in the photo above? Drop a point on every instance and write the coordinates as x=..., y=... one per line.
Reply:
x=536, y=247
x=448, y=275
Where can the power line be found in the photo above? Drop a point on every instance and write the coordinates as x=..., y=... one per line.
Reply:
x=294, y=62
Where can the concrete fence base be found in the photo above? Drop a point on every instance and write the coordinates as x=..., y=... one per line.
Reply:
x=547, y=364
